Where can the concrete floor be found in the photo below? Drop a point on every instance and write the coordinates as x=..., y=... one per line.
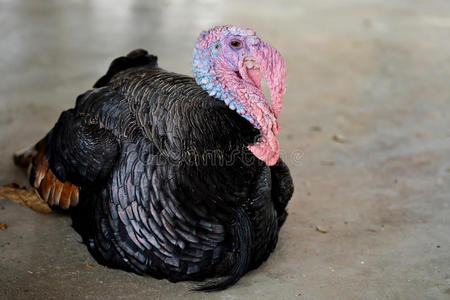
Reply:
x=372, y=74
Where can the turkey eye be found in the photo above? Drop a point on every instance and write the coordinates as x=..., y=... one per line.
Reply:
x=217, y=46
x=235, y=44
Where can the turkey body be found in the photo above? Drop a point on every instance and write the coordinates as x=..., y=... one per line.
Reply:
x=166, y=185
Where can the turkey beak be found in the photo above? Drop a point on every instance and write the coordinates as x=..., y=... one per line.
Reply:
x=266, y=59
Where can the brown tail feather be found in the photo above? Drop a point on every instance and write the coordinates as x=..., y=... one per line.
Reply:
x=53, y=191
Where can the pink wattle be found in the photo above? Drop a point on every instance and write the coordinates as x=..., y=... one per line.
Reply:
x=243, y=91
x=254, y=105
x=249, y=96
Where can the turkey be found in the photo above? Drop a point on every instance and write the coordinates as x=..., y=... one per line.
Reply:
x=173, y=176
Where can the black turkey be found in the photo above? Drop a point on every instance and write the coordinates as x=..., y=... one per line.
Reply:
x=172, y=176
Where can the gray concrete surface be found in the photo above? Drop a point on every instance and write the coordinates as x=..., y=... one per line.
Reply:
x=374, y=73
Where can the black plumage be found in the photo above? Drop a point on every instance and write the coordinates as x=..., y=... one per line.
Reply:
x=167, y=186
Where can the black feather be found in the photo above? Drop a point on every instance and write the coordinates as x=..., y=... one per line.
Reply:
x=241, y=233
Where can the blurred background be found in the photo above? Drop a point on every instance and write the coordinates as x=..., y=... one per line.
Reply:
x=365, y=131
